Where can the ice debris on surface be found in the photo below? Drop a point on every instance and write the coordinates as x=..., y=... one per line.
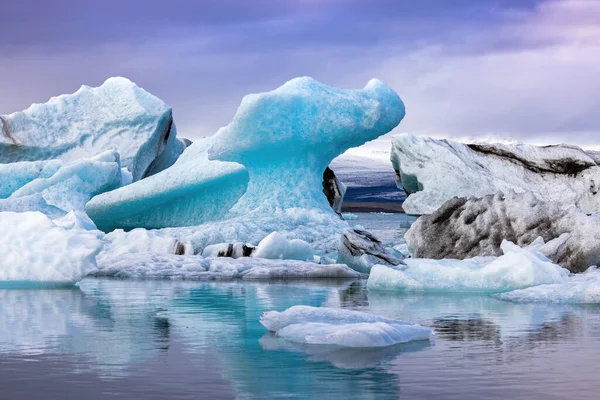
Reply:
x=346, y=328
x=117, y=115
x=38, y=249
x=170, y=266
x=582, y=288
x=192, y=191
x=285, y=139
x=464, y=228
x=360, y=251
x=233, y=250
x=517, y=268
x=276, y=246
x=434, y=171
x=55, y=187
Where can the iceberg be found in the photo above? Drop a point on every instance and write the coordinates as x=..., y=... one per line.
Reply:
x=192, y=191
x=582, y=288
x=38, y=249
x=260, y=174
x=170, y=266
x=346, y=328
x=517, y=268
x=434, y=171
x=55, y=187
x=464, y=228
x=118, y=115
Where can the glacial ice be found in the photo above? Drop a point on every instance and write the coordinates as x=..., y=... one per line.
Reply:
x=275, y=246
x=346, y=328
x=192, y=191
x=517, y=268
x=463, y=228
x=580, y=288
x=115, y=116
x=285, y=139
x=55, y=187
x=433, y=171
x=169, y=266
x=38, y=249
x=360, y=251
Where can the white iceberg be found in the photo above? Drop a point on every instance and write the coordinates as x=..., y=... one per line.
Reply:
x=55, y=187
x=285, y=139
x=434, y=171
x=346, y=328
x=275, y=246
x=117, y=115
x=579, y=288
x=171, y=266
x=517, y=268
x=37, y=249
x=464, y=228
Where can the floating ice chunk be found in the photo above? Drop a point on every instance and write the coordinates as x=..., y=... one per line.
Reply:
x=360, y=251
x=434, y=171
x=276, y=246
x=349, y=216
x=518, y=268
x=194, y=190
x=169, y=266
x=579, y=288
x=328, y=326
x=117, y=115
x=464, y=228
x=37, y=249
x=59, y=187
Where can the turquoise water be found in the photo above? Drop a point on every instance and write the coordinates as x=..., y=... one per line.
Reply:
x=184, y=340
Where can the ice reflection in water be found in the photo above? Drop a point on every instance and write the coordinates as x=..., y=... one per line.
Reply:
x=189, y=339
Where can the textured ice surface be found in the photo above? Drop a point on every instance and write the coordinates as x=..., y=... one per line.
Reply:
x=464, y=228
x=517, y=268
x=433, y=171
x=117, y=115
x=169, y=266
x=328, y=326
x=285, y=139
x=37, y=249
x=55, y=187
x=580, y=288
x=192, y=191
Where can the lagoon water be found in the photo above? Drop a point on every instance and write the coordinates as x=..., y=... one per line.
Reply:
x=187, y=340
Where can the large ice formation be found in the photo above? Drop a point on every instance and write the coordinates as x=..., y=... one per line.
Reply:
x=360, y=251
x=433, y=171
x=117, y=115
x=169, y=266
x=38, y=249
x=55, y=187
x=285, y=139
x=580, y=288
x=346, y=328
x=517, y=268
x=463, y=228
x=192, y=191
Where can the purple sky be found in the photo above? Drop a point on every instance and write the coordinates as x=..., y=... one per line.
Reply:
x=527, y=69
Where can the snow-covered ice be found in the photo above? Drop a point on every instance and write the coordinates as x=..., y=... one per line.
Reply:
x=170, y=266
x=38, y=249
x=328, y=326
x=433, y=171
x=579, y=288
x=275, y=246
x=118, y=115
x=517, y=268
x=464, y=228
x=55, y=187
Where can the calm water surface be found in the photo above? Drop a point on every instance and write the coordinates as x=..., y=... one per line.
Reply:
x=192, y=340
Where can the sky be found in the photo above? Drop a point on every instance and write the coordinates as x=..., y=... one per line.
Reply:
x=527, y=70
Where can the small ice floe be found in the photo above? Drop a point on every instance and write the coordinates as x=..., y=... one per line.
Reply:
x=346, y=328
x=579, y=288
x=350, y=216
x=517, y=268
